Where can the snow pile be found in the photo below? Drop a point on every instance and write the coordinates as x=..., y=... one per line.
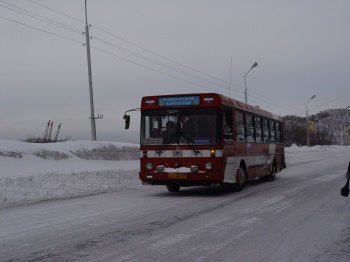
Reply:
x=296, y=155
x=63, y=150
x=36, y=172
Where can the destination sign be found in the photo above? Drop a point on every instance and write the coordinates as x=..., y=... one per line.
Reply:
x=179, y=101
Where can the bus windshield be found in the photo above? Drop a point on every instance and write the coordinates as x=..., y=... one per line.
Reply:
x=183, y=126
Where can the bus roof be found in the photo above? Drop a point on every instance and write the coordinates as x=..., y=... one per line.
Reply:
x=202, y=99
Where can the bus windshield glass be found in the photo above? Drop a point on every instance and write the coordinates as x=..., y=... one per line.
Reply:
x=180, y=126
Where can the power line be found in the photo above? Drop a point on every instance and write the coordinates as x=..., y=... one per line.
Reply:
x=140, y=47
x=330, y=101
x=268, y=104
x=302, y=112
x=141, y=56
x=280, y=107
x=168, y=59
x=57, y=11
x=275, y=101
x=160, y=63
x=121, y=48
x=155, y=70
x=47, y=32
x=103, y=41
x=41, y=18
x=57, y=35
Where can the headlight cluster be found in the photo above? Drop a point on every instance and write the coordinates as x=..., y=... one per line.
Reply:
x=208, y=166
x=149, y=166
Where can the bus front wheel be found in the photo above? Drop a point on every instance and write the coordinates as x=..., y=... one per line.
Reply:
x=241, y=177
x=173, y=188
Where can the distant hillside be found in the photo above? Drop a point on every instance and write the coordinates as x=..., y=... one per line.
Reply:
x=332, y=127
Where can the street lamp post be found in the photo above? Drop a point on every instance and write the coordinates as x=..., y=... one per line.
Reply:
x=245, y=84
x=307, y=122
x=92, y=117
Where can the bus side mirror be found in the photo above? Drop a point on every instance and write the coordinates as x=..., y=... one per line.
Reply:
x=127, y=121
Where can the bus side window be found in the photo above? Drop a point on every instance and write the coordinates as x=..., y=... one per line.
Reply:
x=282, y=133
x=249, y=127
x=227, y=124
x=239, y=121
x=266, y=130
x=278, y=133
x=272, y=131
x=258, y=129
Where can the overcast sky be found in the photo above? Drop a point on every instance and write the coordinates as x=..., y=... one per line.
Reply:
x=153, y=47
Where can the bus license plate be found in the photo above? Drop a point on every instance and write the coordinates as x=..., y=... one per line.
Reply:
x=177, y=176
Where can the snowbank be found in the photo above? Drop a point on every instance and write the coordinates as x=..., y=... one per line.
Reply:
x=296, y=155
x=36, y=172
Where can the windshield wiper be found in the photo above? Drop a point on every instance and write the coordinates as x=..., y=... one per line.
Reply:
x=181, y=133
x=177, y=136
x=166, y=141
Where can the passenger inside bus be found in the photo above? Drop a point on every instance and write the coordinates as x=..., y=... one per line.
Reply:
x=169, y=133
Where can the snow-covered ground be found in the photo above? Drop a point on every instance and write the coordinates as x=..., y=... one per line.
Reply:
x=301, y=216
x=36, y=172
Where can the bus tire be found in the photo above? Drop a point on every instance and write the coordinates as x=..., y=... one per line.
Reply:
x=271, y=177
x=237, y=187
x=173, y=188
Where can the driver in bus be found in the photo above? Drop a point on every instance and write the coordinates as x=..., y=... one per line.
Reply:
x=169, y=134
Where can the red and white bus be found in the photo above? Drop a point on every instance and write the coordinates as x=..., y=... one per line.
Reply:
x=207, y=139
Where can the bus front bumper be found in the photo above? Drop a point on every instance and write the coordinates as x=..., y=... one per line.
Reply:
x=182, y=179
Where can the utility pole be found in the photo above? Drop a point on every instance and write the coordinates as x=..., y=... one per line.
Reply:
x=92, y=117
x=229, y=87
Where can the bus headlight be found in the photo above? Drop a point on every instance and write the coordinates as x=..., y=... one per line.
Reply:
x=149, y=166
x=208, y=166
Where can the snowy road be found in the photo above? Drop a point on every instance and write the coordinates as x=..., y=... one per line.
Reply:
x=298, y=217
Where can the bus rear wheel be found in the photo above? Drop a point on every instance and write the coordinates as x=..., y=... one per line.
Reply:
x=272, y=176
x=173, y=188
